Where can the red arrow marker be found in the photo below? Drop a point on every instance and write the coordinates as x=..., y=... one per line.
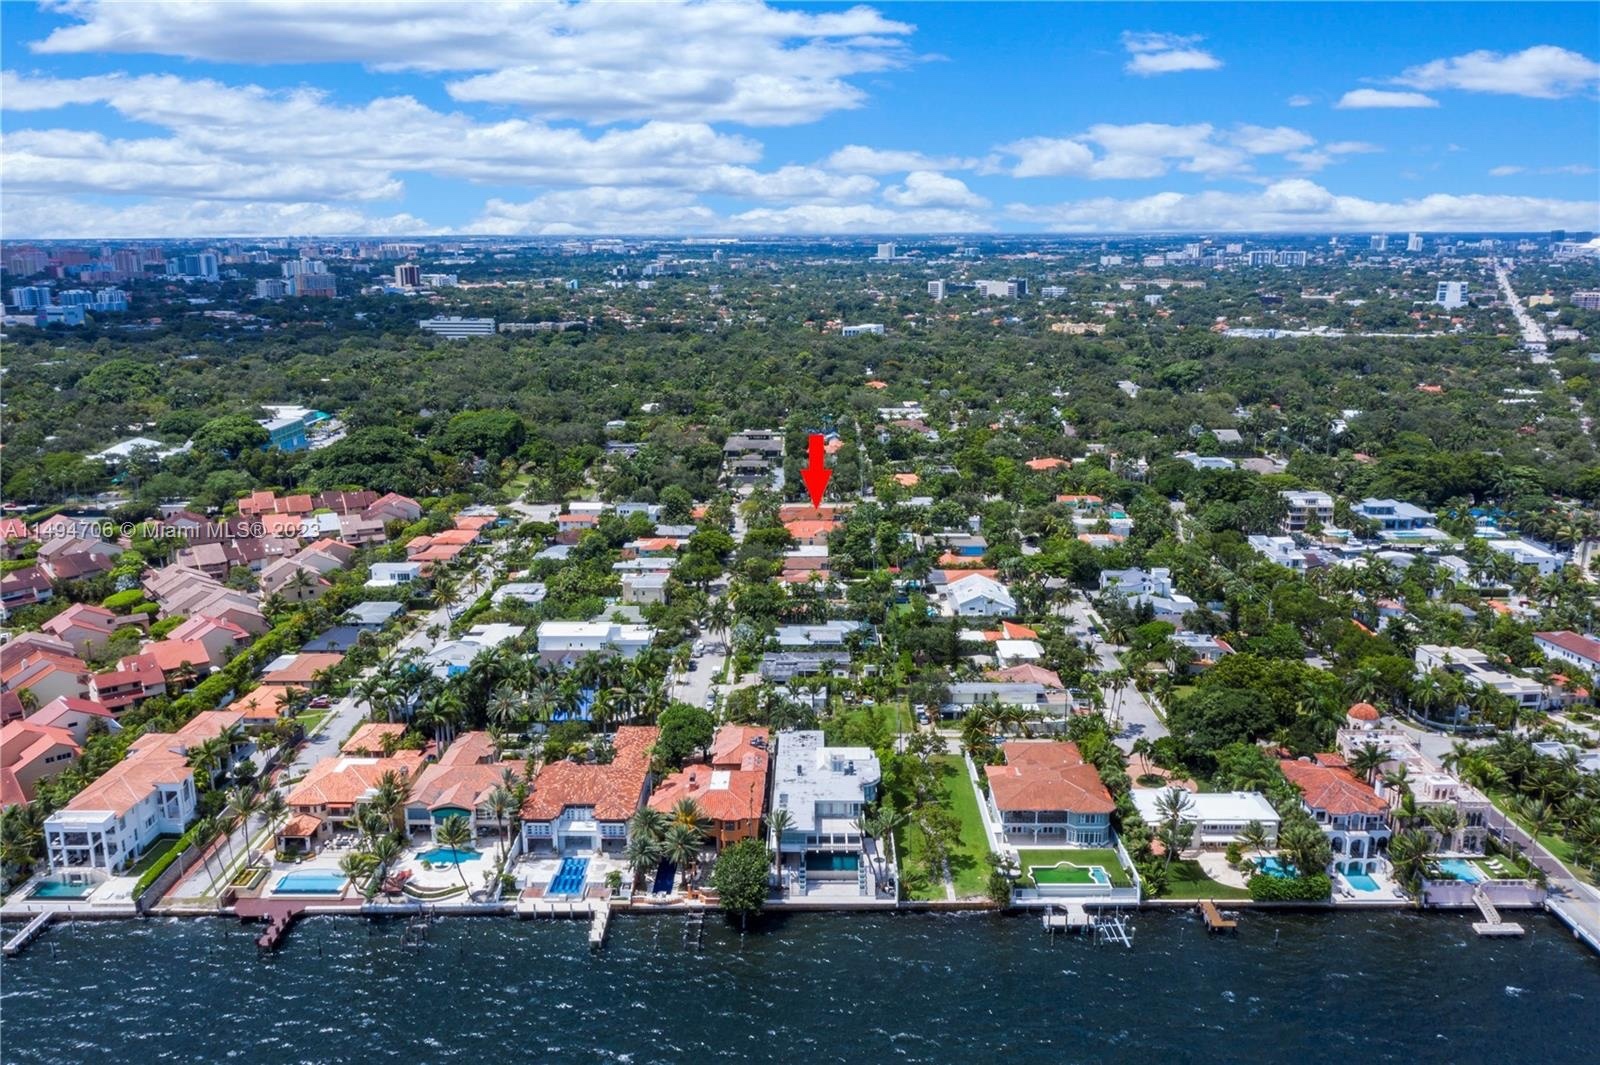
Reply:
x=816, y=472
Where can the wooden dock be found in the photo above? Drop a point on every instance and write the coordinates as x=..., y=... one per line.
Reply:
x=17, y=943
x=278, y=913
x=1215, y=922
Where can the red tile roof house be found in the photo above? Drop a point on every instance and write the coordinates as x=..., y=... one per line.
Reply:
x=458, y=785
x=1046, y=794
x=569, y=527
x=1353, y=817
x=47, y=674
x=394, y=507
x=14, y=536
x=74, y=715
x=87, y=627
x=811, y=533
x=300, y=670
x=221, y=638
x=180, y=661
x=731, y=789
x=578, y=808
x=29, y=753
x=24, y=587
x=331, y=793
x=367, y=739
x=135, y=679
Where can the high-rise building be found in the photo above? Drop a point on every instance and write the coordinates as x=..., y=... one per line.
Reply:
x=202, y=266
x=936, y=289
x=1414, y=243
x=313, y=285
x=408, y=275
x=885, y=253
x=1557, y=234
x=30, y=297
x=1291, y=258
x=1379, y=242
x=296, y=267
x=271, y=289
x=1451, y=294
x=1586, y=301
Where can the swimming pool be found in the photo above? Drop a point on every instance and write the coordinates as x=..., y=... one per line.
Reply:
x=310, y=884
x=569, y=879
x=832, y=863
x=448, y=856
x=1460, y=869
x=57, y=889
x=1361, y=881
x=666, y=872
x=1067, y=873
x=1275, y=866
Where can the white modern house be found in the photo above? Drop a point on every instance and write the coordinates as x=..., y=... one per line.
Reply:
x=1476, y=670
x=107, y=826
x=393, y=574
x=1301, y=509
x=1528, y=553
x=1218, y=816
x=565, y=642
x=824, y=790
x=978, y=596
x=455, y=656
x=1280, y=549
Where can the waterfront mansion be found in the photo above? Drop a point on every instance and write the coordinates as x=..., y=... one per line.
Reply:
x=824, y=790
x=1353, y=816
x=1046, y=794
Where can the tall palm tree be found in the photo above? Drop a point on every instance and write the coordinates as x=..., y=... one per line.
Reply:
x=245, y=801
x=681, y=844
x=501, y=804
x=1411, y=858
x=357, y=866
x=456, y=834
x=779, y=821
x=1176, y=830
x=1367, y=759
x=385, y=851
x=1444, y=819
x=1253, y=838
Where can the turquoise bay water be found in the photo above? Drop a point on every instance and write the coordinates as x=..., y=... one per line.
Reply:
x=805, y=988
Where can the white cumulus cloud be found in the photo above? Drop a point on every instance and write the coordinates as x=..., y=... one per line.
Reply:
x=1357, y=99
x=1165, y=53
x=925, y=188
x=1543, y=72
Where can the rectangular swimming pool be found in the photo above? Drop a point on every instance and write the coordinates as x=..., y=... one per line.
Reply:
x=308, y=883
x=569, y=879
x=1360, y=881
x=56, y=889
x=832, y=863
x=1460, y=869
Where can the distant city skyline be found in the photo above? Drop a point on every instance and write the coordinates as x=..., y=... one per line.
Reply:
x=747, y=119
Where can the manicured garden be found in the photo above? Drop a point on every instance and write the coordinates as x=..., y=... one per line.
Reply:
x=158, y=850
x=1084, y=858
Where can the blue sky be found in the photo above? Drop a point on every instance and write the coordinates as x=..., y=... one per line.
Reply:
x=280, y=117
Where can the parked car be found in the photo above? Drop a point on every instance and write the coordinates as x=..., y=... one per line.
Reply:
x=320, y=702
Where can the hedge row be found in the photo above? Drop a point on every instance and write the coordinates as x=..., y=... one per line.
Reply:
x=185, y=841
x=1267, y=888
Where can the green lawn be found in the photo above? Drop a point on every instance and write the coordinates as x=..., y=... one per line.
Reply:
x=969, y=859
x=1186, y=880
x=310, y=720
x=161, y=846
x=1083, y=857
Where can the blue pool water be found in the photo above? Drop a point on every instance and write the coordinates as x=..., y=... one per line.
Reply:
x=666, y=872
x=1275, y=866
x=1361, y=881
x=1460, y=869
x=569, y=878
x=310, y=884
x=832, y=863
x=56, y=889
x=448, y=856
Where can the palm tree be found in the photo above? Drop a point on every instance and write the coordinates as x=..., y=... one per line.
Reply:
x=1445, y=820
x=455, y=834
x=1411, y=858
x=681, y=844
x=1176, y=830
x=246, y=802
x=501, y=803
x=1367, y=759
x=385, y=850
x=274, y=808
x=642, y=853
x=357, y=866
x=779, y=821
x=1253, y=837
